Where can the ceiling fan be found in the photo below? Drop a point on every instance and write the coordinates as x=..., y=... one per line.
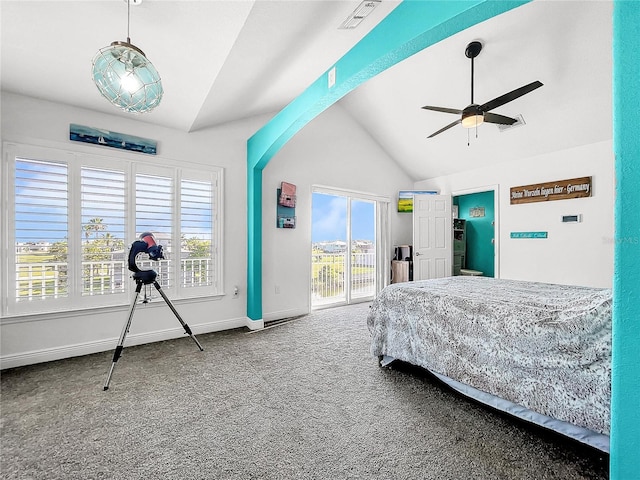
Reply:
x=474, y=114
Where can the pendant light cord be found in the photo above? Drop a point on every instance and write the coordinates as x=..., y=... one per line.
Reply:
x=128, y=19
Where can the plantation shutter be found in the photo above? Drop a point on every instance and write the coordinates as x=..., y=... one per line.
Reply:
x=196, y=227
x=41, y=230
x=103, y=201
x=71, y=218
x=154, y=213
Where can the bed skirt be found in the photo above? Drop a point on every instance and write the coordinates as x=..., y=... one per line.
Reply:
x=596, y=440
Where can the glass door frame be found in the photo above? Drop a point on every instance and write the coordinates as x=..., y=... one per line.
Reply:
x=382, y=234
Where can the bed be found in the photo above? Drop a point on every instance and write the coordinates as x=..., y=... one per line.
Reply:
x=541, y=352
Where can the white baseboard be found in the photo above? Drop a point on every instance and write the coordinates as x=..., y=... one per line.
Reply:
x=254, y=324
x=67, y=351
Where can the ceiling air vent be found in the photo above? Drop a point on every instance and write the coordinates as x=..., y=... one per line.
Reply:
x=519, y=122
x=359, y=14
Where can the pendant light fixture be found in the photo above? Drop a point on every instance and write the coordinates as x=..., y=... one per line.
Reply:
x=125, y=76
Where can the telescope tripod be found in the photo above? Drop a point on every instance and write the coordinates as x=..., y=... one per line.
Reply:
x=144, y=278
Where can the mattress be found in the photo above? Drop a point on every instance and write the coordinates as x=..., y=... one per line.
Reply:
x=540, y=346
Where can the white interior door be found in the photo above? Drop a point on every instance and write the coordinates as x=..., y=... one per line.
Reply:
x=432, y=236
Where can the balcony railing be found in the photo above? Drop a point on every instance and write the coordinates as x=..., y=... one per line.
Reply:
x=50, y=279
x=328, y=277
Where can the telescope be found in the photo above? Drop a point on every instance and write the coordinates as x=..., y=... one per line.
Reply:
x=146, y=244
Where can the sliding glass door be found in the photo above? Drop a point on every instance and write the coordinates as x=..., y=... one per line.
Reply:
x=344, y=248
x=362, y=255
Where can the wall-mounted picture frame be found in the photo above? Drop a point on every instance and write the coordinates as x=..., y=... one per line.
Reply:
x=476, y=212
x=286, y=222
x=405, y=199
x=287, y=196
x=286, y=206
x=107, y=138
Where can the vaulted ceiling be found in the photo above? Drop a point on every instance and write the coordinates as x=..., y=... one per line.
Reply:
x=226, y=60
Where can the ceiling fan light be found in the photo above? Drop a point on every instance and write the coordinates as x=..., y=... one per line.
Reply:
x=472, y=121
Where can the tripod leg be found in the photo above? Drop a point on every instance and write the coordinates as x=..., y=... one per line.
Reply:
x=186, y=327
x=118, y=352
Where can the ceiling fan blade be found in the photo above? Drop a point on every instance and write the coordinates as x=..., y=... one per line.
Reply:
x=443, y=109
x=508, y=97
x=452, y=124
x=500, y=119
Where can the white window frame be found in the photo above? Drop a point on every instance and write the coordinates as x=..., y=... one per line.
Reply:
x=130, y=164
x=382, y=235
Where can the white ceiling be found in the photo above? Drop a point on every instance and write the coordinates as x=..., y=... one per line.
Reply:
x=225, y=60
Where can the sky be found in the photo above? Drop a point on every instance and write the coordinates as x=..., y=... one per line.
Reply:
x=329, y=218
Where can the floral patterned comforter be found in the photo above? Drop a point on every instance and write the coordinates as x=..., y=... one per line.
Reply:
x=545, y=347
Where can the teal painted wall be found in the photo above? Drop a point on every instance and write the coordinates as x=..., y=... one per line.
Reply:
x=625, y=382
x=413, y=26
x=480, y=231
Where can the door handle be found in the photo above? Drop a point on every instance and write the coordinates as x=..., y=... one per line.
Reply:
x=417, y=254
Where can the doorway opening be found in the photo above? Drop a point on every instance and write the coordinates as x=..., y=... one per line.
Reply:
x=478, y=209
x=345, y=240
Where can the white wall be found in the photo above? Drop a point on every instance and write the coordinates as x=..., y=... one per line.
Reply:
x=332, y=151
x=40, y=338
x=575, y=253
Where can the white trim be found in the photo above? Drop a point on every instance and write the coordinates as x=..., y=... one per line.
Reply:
x=68, y=351
x=123, y=307
x=496, y=218
x=253, y=324
x=350, y=193
x=100, y=151
x=76, y=156
x=382, y=239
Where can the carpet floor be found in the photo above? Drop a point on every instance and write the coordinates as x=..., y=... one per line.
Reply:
x=303, y=399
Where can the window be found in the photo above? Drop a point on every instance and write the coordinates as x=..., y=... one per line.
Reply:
x=72, y=218
x=103, y=231
x=154, y=213
x=196, y=227
x=41, y=224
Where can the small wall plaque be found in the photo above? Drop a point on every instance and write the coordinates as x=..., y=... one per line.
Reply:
x=529, y=234
x=476, y=212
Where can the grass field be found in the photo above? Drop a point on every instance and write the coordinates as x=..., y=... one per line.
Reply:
x=405, y=205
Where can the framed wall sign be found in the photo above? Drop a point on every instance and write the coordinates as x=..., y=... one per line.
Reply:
x=546, y=191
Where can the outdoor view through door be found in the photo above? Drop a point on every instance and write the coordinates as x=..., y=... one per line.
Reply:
x=343, y=254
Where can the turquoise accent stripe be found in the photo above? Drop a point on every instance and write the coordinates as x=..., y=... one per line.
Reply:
x=411, y=27
x=254, y=250
x=625, y=382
